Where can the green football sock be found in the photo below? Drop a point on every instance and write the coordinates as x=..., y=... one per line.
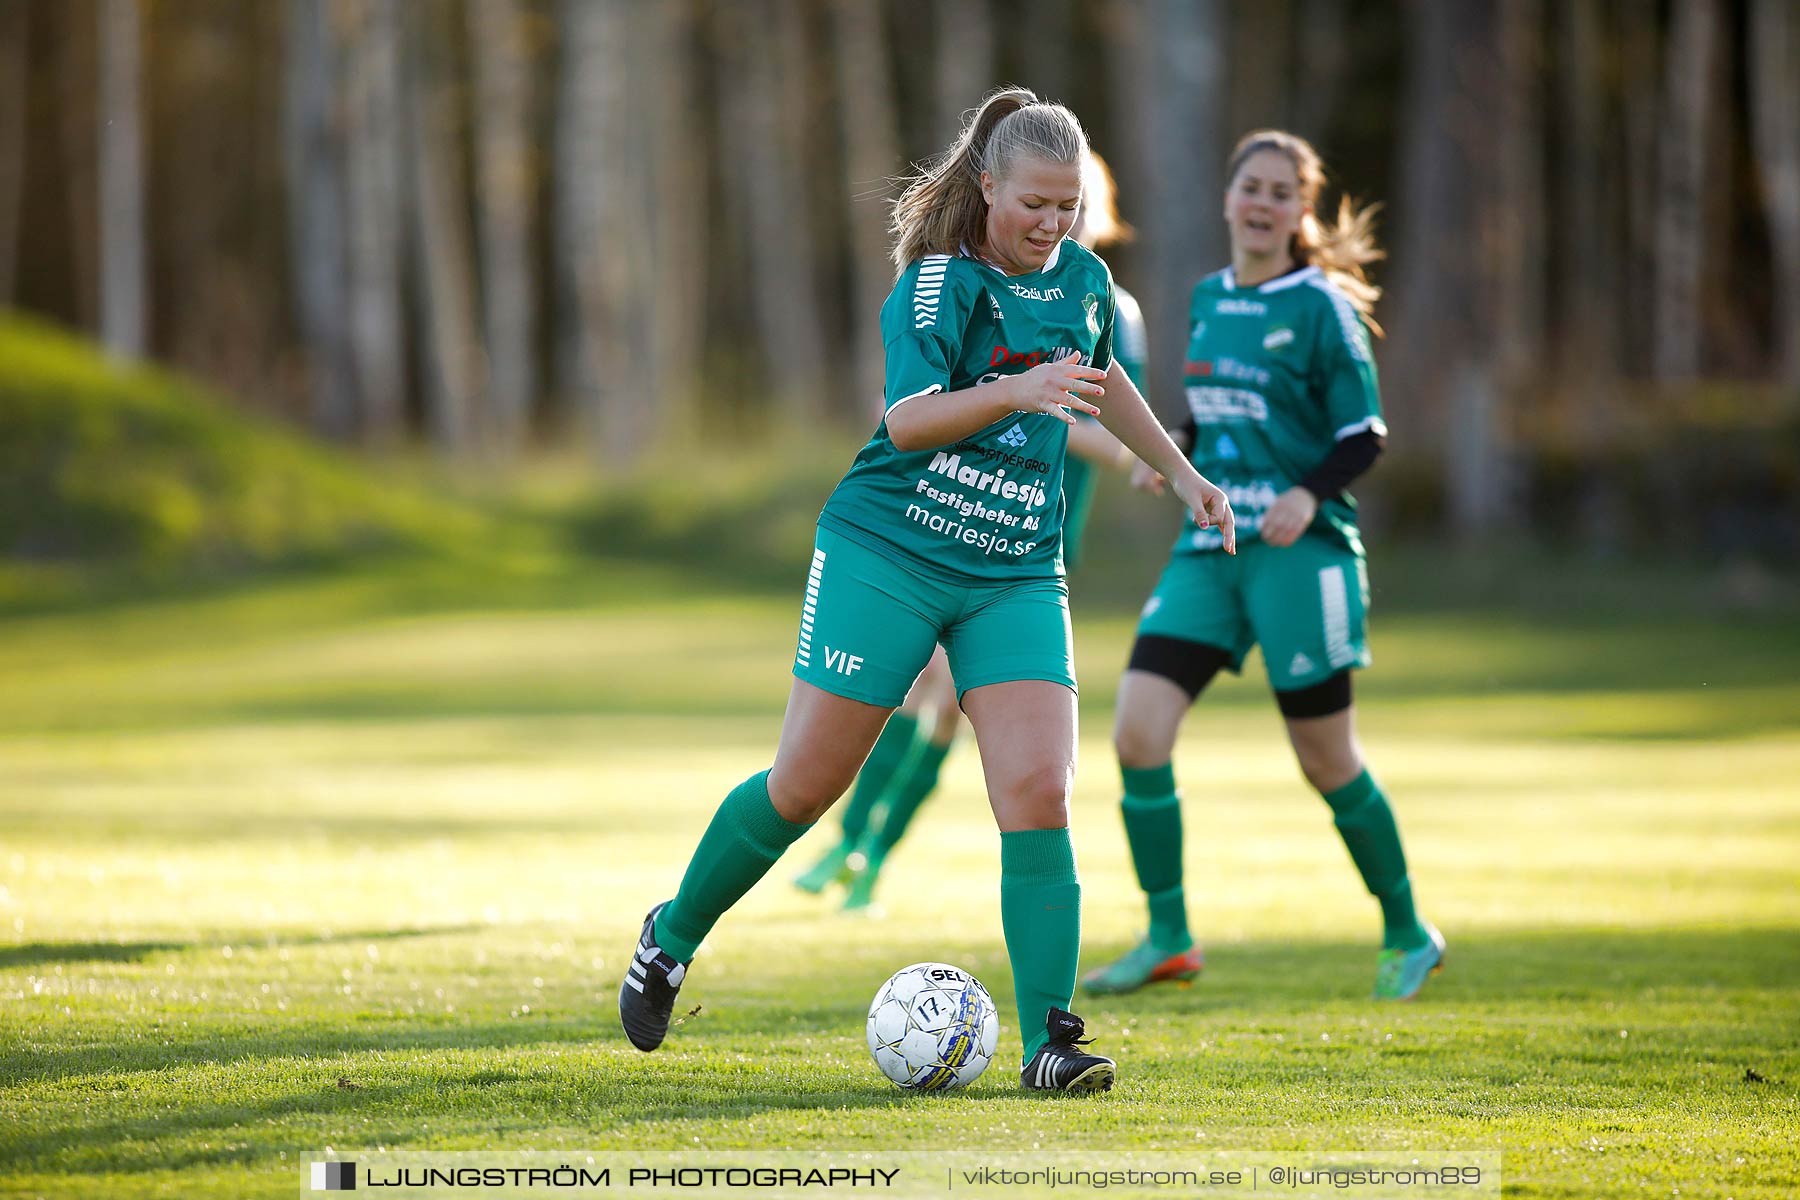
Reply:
x=1365, y=821
x=1152, y=811
x=917, y=779
x=877, y=774
x=743, y=841
x=1040, y=910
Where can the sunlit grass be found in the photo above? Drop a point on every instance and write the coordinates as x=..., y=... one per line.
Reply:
x=320, y=864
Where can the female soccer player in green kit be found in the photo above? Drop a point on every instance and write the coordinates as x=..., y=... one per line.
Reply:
x=903, y=768
x=1284, y=412
x=948, y=528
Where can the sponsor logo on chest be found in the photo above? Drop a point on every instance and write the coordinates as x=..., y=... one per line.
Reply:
x=1227, y=368
x=1241, y=308
x=1003, y=361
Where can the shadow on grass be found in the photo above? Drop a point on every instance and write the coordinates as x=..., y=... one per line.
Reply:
x=1530, y=966
x=1702, y=1005
x=32, y=954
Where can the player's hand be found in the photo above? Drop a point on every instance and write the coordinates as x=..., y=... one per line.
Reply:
x=1290, y=516
x=1210, y=508
x=1147, y=478
x=1056, y=387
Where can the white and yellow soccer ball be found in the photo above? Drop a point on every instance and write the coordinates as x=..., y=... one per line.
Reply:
x=933, y=1027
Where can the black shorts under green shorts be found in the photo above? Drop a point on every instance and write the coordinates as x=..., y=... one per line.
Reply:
x=869, y=624
x=1306, y=605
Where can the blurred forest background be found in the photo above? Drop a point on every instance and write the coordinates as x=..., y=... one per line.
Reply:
x=636, y=233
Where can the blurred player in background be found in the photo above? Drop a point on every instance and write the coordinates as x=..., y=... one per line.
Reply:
x=904, y=766
x=1284, y=411
x=948, y=529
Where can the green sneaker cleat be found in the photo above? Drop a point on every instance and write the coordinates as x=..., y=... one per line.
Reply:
x=1399, y=974
x=1144, y=963
x=834, y=867
x=860, y=894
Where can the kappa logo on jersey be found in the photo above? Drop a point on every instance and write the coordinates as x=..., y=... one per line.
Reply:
x=1014, y=437
x=928, y=290
x=1226, y=448
x=1275, y=339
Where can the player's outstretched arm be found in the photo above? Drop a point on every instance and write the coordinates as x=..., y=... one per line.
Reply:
x=940, y=418
x=1090, y=442
x=1129, y=418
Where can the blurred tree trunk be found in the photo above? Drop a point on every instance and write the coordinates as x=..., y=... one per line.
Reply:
x=762, y=122
x=1171, y=65
x=965, y=62
x=1587, y=282
x=1049, y=67
x=75, y=33
x=1322, y=53
x=588, y=60
x=1519, y=256
x=506, y=204
x=374, y=146
x=1443, y=389
x=1641, y=76
x=1775, y=113
x=1690, y=91
x=316, y=214
x=1261, y=66
x=13, y=30
x=871, y=156
x=124, y=318
x=678, y=204
x=454, y=366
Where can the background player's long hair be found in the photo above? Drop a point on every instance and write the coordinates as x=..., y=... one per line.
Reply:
x=941, y=209
x=1101, y=225
x=1341, y=249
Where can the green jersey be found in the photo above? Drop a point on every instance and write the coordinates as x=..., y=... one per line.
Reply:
x=1276, y=375
x=1132, y=348
x=988, y=508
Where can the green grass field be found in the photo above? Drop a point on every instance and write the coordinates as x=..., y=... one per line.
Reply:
x=347, y=862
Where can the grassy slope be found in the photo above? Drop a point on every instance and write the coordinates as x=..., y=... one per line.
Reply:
x=112, y=478
x=344, y=862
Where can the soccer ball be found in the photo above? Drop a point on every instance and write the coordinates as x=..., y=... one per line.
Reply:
x=933, y=1027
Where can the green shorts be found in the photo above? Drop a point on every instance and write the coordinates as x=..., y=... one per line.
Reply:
x=870, y=622
x=1306, y=605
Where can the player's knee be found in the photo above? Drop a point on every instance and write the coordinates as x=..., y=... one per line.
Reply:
x=1042, y=795
x=1139, y=745
x=1328, y=767
x=803, y=793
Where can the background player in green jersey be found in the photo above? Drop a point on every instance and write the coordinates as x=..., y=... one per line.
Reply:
x=1284, y=412
x=903, y=769
x=947, y=528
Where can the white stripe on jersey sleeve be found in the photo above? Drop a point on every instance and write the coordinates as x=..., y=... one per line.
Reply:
x=936, y=387
x=1373, y=425
x=1355, y=339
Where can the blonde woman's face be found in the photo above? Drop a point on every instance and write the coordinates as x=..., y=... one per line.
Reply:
x=1263, y=207
x=1029, y=212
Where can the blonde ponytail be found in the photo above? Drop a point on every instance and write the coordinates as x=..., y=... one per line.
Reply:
x=942, y=209
x=1341, y=249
